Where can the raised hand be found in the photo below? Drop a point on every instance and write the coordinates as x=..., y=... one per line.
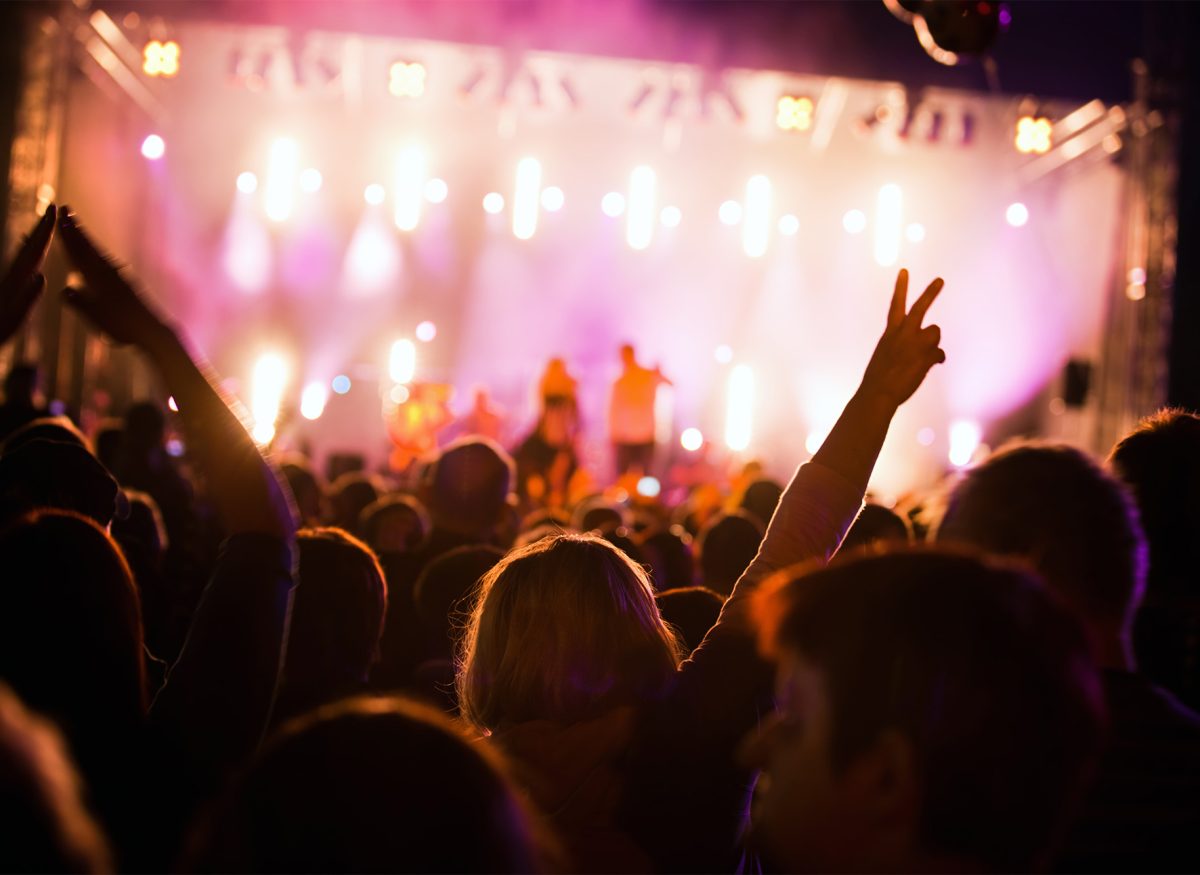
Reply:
x=24, y=281
x=107, y=299
x=906, y=351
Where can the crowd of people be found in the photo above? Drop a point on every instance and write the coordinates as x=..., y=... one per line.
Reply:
x=223, y=663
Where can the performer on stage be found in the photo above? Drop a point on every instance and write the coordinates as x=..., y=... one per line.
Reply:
x=631, y=425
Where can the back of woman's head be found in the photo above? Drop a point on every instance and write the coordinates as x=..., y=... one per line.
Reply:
x=370, y=785
x=563, y=629
x=394, y=524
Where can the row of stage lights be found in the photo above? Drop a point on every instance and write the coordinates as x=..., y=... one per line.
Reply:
x=638, y=205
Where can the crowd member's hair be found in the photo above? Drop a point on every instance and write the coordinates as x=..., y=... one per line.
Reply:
x=107, y=440
x=760, y=500
x=307, y=491
x=692, y=611
x=370, y=785
x=394, y=524
x=598, y=514
x=442, y=588
x=467, y=488
x=58, y=429
x=563, y=629
x=349, y=495
x=1160, y=462
x=47, y=827
x=21, y=383
x=61, y=475
x=338, y=608
x=669, y=553
x=1054, y=507
x=976, y=665
x=874, y=524
x=726, y=546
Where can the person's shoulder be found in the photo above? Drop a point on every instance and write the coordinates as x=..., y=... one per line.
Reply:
x=1135, y=701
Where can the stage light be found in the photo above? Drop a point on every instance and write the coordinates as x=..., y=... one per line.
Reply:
x=1034, y=135
x=723, y=354
x=410, y=180
x=1017, y=214
x=739, y=408
x=270, y=379
x=855, y=221
x=730, y=213
x=374, y=194
x=171, y=405
x=406, y=80
x=402, y=362
x=639, y=228
x=649, y=487
x=436, y=190
x=398, y=394
x=160, y=59
x=525, y=198
x=789, y=225
x=888, y=215
x=281, y=178
x=670, y=217
x=310, y=180
x=493, y=202
x=553, y=199
x=340, y=384
x=814, y=439
x=794, y=113
x=915, y=232
x=426, y=331
x=926, y=436
x=691, y=439
x=757, y=227
x=312, y=400
x=247, y=182
x=613, y=204
x=964, y=441
x=1138, y=275
x=153, y=147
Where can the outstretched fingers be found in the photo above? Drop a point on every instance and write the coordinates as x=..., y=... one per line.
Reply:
x=33, y=250
x=899, y=300
x=83, y=252
x=921, y=307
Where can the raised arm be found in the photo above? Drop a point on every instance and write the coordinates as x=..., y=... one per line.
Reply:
x=23, y=281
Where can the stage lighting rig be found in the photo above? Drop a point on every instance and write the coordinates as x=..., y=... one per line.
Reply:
x=161, y=59
x=1034, y=135
x=950, y=30
x=793, y=113
x=406, y=79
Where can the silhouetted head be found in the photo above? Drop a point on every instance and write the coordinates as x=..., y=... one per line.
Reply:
x=760, y=500
x=876, y=523
x=107, y=440
x=306, y=489
x=628, y=356
x=145, y=428
x=669, y=553
x=21, y=384
x=58, y=429
x=937, y=711
x=467, y=488
x=598, y=514
x=442, y=588
x=1053, y=507
x=692, y=610
x=370, y=785
x=563, y=629
x=66, y=476
x=726, y=546
x=349, y=496
x=395, y=524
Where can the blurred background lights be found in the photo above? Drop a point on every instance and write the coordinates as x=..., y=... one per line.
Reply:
x=613, y=204
x=915, y=232
x=426, y=331
x=340, y=384
x=310, y=180
x=160, y=58
x=436, y=190
x=730, y=213
x=793, y=113
x=374, y=194
x=402, y=362
x=649, y=487
x=247, y=182
x=965, y=436
x=153, y=147
x=723, y=354
x=493, y=202
x=670, y=217
x=266, y=394
x=525, y=198
x=281, y=177
x=398, y=394
x=639, y=227
x=815, y=438
x=855, y=221
x=406, y=79
x=552, y=199
x=312, y=400
x=926, y=436
x=789, y=225
x=1017, y=214
x=739, y=408
x=1034, y=135
x=691, y=439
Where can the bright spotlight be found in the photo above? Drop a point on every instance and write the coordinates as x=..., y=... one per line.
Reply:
x=402, y=363
x=426, y=331
x=758, y=216
x=410, y=181
x=613, y=204
x=406, y=80
x=269, y=381
x=739, y=408
x=247, y=182
x=813, y=441
x=670, y=217
x=1034, y=135
x=281, y=178
x=436, y=190
x=723, y=354
x=915, y=233
x=964, y=441
x=691, y=439
x=649, y=487
x=789, y=225
x=855, y=221
x=525, y=198
x=888, y=216
x=794, y=113
x=160, y=58
x=310, y=180
x=730, y=213
x=374, y=194
x=553, y=199
x=398, y=394
x=493, y=202
x=153, y=147
x=171, y=405
x=340, y=384
x=639, y=227
x=1017, y=214
x=312, y=400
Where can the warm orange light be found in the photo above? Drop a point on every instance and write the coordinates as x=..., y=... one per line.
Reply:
x=160, y=59
x=794, y=113
x=406, y=80
x=1034, y=135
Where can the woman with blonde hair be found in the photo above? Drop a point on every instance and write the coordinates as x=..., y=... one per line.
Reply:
x=567, y=664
